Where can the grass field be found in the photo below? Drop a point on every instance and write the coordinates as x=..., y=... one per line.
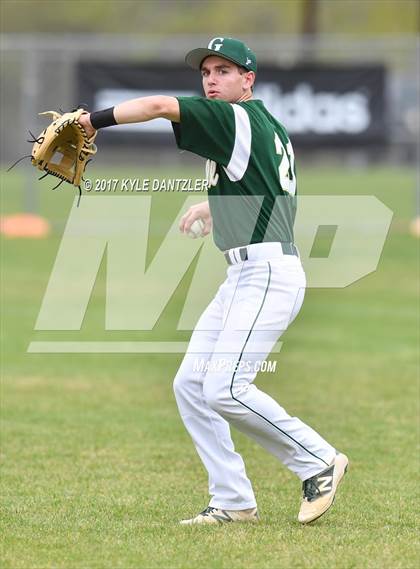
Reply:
x=96, y=465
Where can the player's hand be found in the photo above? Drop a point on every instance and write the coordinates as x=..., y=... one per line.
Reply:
x=200, y=210
x=84, y=120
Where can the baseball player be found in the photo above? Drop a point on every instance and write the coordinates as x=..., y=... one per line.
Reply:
x=251, y=208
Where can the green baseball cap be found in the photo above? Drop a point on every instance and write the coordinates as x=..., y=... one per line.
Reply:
x=229, y=48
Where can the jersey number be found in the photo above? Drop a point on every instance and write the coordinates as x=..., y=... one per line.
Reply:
x=287, y=166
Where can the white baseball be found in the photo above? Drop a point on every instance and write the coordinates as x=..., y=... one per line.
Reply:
x=196, y=229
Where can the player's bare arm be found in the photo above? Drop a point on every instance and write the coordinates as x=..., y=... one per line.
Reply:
x=142, y=109
x=147, y=108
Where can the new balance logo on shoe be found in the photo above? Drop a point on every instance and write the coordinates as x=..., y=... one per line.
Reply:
x=325, y=483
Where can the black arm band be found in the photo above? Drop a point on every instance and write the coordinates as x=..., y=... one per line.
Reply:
x=101, y=119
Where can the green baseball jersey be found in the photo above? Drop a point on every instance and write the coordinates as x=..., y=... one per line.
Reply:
x=250, y=169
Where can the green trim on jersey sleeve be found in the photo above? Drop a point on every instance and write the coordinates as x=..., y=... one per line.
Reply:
x=206, y=127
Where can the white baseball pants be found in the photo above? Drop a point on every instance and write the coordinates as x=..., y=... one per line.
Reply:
x=214, y=384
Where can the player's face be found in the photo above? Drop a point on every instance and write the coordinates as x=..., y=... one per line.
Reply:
x=224, y=80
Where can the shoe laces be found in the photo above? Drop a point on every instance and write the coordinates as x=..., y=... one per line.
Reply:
x=209, y=510
x=310, y=489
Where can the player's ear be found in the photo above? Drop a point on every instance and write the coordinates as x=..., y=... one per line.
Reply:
x=249, y=80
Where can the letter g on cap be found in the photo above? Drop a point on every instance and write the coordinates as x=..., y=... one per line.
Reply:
x=216, y=46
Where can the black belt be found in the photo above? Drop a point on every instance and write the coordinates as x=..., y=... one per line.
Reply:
x=287, y=248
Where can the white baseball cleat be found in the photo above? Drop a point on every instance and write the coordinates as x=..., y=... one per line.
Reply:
x=319, y=490
x=218, y=516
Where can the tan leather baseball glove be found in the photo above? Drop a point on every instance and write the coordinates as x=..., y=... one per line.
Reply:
x=63, y=148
